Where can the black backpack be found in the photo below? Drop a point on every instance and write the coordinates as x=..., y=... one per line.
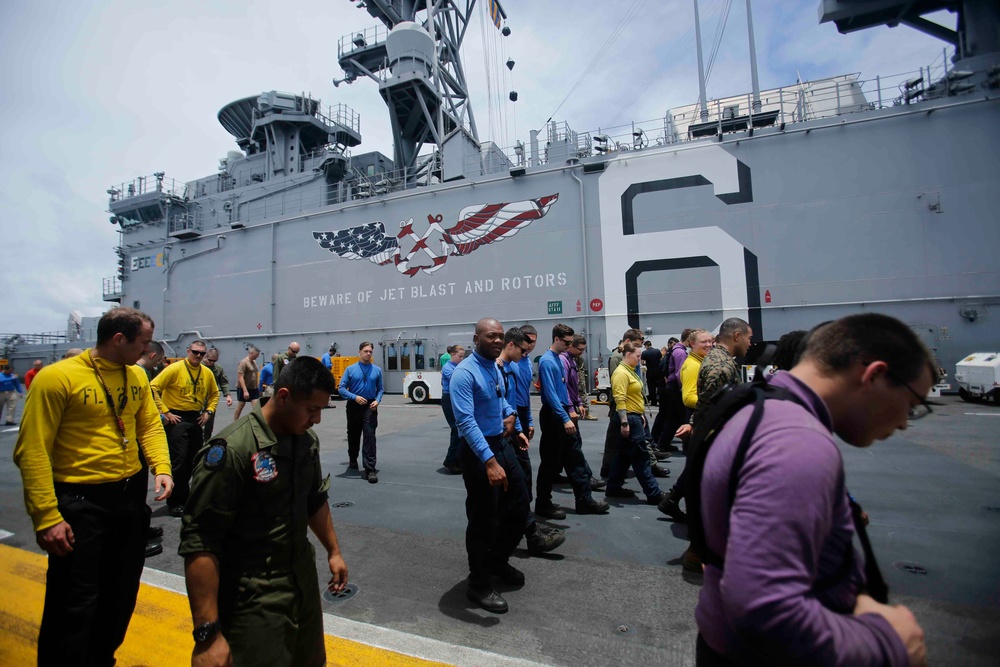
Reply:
x=722, y=406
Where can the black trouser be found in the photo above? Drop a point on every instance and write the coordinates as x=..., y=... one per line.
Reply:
x=670, y=417
x=525, y=460
x=209, y=427
x=560, y=451
x=90, y=593
x=705, y=655
x=185, y=440
x=496, y=517
x=361, y=421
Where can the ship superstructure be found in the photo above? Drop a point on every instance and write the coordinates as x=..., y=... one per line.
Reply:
x=786, y=207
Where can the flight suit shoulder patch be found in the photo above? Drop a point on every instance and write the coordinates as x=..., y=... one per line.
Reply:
x=216, y=453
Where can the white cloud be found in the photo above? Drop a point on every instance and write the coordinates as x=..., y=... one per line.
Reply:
x=98, y=94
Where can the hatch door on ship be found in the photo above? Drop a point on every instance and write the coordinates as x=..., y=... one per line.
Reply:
x=402, y=355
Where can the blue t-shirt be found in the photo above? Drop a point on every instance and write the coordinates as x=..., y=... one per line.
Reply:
x=478, y=402
x=550, y=374
x=446, y=374
x=325, y=359
x=363, y=380
x=266, y=375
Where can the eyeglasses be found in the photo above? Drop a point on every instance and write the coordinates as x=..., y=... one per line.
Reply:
x=568, y=342
x=198, y=353
x=917, y=411
x=524, y=350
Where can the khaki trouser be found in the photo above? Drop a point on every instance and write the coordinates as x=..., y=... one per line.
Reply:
x=8, y=401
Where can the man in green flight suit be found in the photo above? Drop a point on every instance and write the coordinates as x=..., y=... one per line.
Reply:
x=250, y=568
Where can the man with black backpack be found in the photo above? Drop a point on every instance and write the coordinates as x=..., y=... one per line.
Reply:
x=770, y=511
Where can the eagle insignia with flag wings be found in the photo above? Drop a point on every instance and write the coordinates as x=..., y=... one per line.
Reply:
x=477, y=226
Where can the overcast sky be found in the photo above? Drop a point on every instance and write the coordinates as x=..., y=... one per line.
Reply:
x=101, y=92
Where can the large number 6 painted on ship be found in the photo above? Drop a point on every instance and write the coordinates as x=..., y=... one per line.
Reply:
x=625, y=259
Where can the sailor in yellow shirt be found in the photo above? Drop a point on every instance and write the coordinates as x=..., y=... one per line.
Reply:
x=630, y=404
x=190, y=393
x=703, y=342
x=85, y=489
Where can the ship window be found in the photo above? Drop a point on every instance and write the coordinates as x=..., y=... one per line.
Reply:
x=135, y=304
x=404, y=357
x=418, y=358
x=390, y=357
x=371, y=170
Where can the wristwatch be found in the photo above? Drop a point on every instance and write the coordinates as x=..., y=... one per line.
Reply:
x=205, y=631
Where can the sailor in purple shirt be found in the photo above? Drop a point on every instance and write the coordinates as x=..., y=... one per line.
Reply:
x=791, y=586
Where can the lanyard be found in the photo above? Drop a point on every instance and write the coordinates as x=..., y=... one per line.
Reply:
x=116, y=410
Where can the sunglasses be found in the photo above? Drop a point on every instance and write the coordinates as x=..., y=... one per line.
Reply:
x=198, y=353
x=568, y=342
x=524, y=350
x=917, y=411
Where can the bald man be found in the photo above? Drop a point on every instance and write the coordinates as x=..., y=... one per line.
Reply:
x=286, y=358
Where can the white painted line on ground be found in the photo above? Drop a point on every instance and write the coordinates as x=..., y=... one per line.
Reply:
x=984, y=414
x=10, y=430
x=373, y=635
x=4, y=534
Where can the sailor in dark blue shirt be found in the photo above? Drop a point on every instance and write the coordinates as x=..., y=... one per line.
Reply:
x=497, y=501
x=361, y=385
x=559, y=446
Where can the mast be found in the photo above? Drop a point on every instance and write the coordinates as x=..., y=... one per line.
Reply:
x=755, y=85
x=702, y=98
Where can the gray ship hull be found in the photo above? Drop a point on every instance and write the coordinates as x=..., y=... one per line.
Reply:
x=884, y=210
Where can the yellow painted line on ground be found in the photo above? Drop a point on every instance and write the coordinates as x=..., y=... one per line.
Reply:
x=160, y=632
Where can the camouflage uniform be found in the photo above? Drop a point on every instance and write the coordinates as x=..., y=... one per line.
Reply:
x=223, y=382
x=252, y=494
x=717, y=370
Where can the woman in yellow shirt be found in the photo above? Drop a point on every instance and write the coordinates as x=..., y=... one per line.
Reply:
x=701, y=342
x=627, y=388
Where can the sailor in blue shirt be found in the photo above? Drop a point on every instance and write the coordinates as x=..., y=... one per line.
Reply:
x=327, y=359
x=516, y=349
x=560, y=447
x=496, y=502
x=10, y=389
x=455, y=355
x=361, y=386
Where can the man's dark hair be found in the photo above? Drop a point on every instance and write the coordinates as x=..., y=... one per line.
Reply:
x=672, y=341
x=579, y=340
x=866, y=338
x=632, y=336
x=561, y=331
x=515, y=335
x=304, y=375
x=648, y=343
x=156, y=347
x=789, y=349
x=685, y=335
x=529, y=330
x=731, y=327
x=121, y=320
x=366, y=344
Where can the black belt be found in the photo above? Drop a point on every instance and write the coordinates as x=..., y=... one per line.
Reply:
x=106, y=491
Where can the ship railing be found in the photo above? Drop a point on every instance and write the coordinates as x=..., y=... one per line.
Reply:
x=142, y=185
x=343, y=115
x=361, y=39
x=183, y=223
x=113, y=287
